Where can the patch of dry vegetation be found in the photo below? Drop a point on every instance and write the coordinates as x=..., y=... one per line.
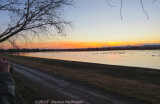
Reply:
x=29, y=91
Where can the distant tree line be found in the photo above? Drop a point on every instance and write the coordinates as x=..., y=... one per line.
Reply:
x=145, y=47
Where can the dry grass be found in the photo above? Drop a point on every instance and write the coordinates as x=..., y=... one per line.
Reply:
x=29, y=91
x=139, y=83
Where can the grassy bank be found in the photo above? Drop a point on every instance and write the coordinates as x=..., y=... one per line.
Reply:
x=139, y=83
x=28, y=90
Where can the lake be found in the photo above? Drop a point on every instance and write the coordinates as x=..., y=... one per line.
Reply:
x=137, y=58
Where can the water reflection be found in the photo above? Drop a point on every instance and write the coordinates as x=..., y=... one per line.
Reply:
x=138, y=58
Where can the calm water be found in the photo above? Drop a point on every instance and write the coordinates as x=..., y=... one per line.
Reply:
x=138, y=58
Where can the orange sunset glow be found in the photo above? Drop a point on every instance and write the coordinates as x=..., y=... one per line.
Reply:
x=71, y=45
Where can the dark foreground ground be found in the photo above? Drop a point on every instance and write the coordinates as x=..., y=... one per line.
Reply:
x=63, y=91
x=111, y=84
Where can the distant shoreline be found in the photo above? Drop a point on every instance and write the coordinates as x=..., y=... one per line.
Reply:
x=145, y=47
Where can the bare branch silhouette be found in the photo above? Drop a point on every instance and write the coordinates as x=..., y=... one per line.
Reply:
x=34, y=16
x=154, y=1
x=144, y=9
x=110, y=4
x=121, y=9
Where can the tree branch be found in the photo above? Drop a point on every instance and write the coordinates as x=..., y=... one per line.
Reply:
x=144, y=9
x=34, y=14
x=110, y=4
x=121, y=9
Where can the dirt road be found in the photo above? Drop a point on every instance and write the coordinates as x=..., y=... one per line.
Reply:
x=66, y=90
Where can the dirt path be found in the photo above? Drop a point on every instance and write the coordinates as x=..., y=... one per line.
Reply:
x=68, y=90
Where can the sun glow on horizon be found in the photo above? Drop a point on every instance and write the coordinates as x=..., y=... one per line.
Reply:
x=72, y=45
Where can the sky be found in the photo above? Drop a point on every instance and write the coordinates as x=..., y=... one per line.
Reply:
x=96, y=24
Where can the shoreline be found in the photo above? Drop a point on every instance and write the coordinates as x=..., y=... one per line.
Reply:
x=81, y=49
x=100, y=64
x=134, y=82
x=140, y=59
x=93, y=64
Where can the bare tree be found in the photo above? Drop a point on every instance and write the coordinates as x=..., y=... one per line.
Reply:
x=121, y=7
x=33, y=16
